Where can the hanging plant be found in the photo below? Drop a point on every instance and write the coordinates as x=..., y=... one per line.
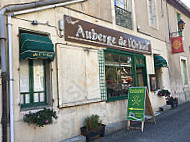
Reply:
x=40, y=118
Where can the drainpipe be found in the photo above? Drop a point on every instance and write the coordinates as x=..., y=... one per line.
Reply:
x=10, y=79
x=3, y=75
x=37, y=7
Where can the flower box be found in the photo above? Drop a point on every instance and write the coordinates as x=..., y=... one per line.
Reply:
x=174, y=103
x=90, y=134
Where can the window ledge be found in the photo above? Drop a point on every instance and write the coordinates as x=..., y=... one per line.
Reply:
x=80, y=103
x=154, y=26
x=36, y=107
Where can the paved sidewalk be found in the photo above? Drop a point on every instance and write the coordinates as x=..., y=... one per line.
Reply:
x=171, y=126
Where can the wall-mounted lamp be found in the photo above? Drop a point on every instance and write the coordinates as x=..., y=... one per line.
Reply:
x=181, y=26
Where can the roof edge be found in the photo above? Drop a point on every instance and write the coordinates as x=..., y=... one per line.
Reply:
x=179, y=5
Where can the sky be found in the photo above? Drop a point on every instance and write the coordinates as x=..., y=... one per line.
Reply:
x=187, y=2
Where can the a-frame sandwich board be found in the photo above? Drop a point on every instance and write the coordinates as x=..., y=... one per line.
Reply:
x=138, y=104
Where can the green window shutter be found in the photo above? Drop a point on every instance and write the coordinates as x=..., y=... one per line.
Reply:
x=178, y=19
x=102, y=74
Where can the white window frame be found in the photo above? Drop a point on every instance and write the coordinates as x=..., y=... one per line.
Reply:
x=127, y=5
x=185, y=59
x=156, y=26
x=132, y=10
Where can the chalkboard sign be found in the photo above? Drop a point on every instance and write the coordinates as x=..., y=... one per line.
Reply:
x=136, y=103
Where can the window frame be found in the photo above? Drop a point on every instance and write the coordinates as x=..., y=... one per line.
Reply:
x=48, y=97
x=156, y=26
x=31, y=87
x=121, y=11
x=178, y=15
x=183, y=81
x=133, y=56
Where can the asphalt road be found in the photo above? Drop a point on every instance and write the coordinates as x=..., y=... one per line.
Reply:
x=171, y=126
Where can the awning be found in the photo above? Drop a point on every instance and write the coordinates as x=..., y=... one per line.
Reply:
x=36, y=46
x=159, y=61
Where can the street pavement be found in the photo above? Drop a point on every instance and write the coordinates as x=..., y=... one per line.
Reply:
x=171, y=126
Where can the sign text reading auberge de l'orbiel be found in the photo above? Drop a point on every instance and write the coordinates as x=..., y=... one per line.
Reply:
x=110, y=40
x=84, y=32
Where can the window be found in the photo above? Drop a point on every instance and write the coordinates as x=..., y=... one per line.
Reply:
x=119, y=75
x=123, y=70
x=159, y=63
x=36, y=52
x=32, y=82
x=184, y=71
x=123, y=13
x=158, y=72
x=152, y=13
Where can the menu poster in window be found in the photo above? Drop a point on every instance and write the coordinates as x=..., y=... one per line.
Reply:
x=153, y=83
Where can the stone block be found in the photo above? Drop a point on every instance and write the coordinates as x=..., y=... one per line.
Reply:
x=165, y=107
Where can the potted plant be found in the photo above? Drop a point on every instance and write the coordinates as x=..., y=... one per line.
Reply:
x=163, y=92
x=93, y=128
x=40, y=118
x=173, y=101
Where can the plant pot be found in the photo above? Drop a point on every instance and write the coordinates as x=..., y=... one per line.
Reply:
x=100, y=131
x=174, y=104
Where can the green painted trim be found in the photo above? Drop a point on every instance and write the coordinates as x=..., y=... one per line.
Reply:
x=119, y=52
x=31, y=88
x=32, y=105
x=117, y=98
x=145, y=74
x=102, y=81
x=45, y=86
x=134, y=56
x=134, y=71
x=178, y=19
x=31, y=81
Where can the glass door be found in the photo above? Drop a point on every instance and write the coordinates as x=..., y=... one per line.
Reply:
x=140, y=78
x=141, y=74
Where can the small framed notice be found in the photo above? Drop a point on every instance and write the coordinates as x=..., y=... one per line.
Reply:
x=153, y=83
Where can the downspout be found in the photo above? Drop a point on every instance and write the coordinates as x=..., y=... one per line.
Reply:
x=3, y=75
x=11, y=103
x=168, y=20
x=3, y=11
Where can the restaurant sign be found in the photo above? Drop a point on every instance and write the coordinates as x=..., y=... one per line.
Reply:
x=80, y=31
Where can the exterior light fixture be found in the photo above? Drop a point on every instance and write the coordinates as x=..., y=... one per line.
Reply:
x=181, y=26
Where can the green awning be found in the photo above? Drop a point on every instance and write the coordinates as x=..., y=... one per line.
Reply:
x=36, y=46
x=159, y=61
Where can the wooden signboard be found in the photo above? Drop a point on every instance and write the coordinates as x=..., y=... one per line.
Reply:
x=138, y=104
